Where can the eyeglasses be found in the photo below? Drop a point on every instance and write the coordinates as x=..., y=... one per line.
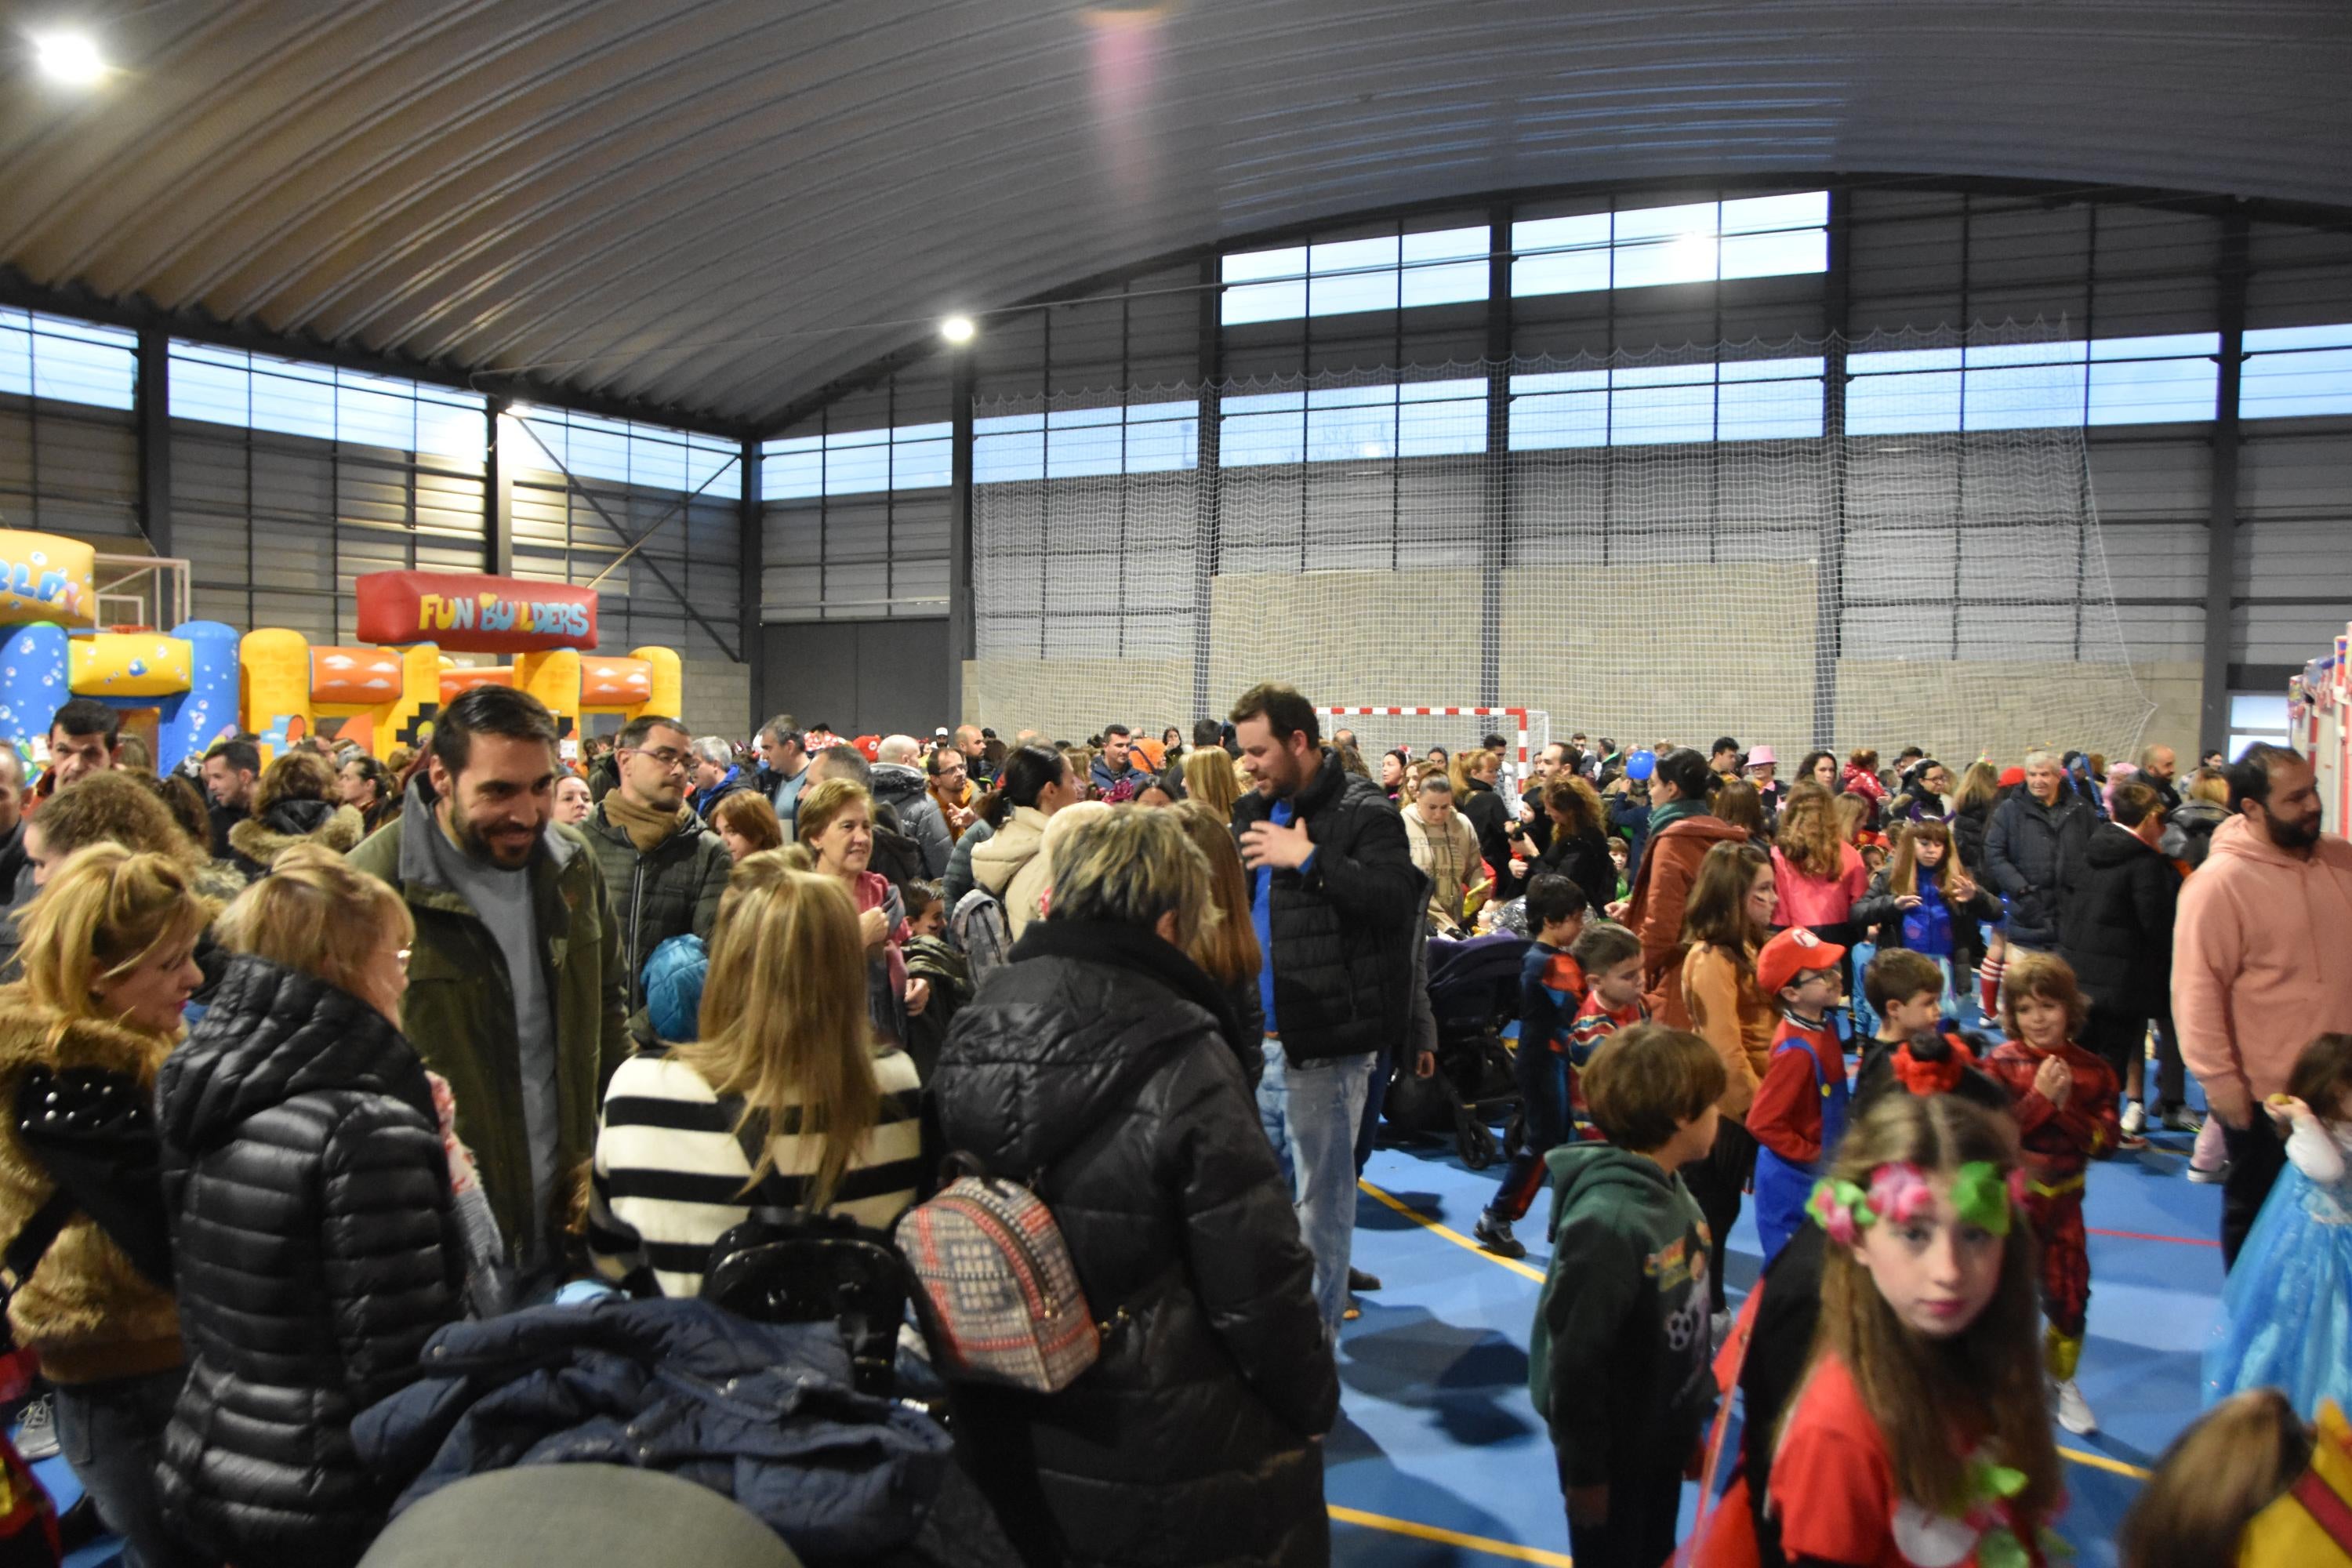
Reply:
x=403, y=955
x=667, y=756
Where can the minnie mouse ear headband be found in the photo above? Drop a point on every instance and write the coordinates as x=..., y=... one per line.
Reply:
x=1982, y=1195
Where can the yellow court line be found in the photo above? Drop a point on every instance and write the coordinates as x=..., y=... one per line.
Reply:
x=2080, y=1456
x=1515, y=1265
x=1419, y=1532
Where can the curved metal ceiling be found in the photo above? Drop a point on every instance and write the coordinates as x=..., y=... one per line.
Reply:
x=718, y=205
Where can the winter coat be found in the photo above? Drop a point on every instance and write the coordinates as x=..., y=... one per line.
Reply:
x=1629, y=816
x=1009, y=865
x=764, y=1414
x=671, y=889
x=1968, y=825
x=258, y=841
x=86, y=1310
x=1661, y=886
x=960, y=878
x=1582, y=860
x=317, y=1252
x=1877, y=913
x=706, y=804
x=2032, y=853
x=1617, y=1362
x=1492, y=820
x=1342, y=927
x=459, y=1012
x=1448, y=857
x=906, y=791
x=1097, y=1064
x=2258, y=962
x=2118, y=927
x=2188, y=831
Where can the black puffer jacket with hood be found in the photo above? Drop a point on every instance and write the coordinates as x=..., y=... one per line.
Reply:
x=1096, y=1063
x=1343, y=926
x=310, y=1216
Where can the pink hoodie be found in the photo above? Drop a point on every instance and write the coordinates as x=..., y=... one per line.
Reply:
x=2262, y=962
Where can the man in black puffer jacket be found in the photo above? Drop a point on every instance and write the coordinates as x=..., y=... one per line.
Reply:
x=1335, y=896
x=2119, y=937
x=1098, y=1064
x=311, y=1222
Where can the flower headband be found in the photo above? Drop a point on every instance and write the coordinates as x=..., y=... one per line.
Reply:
x=1898, y=1191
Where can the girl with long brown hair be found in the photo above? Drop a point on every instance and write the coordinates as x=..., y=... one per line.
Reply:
x=1926, y=900
x=1922, y=1431
x=1726, y=920
x=1225, y=946
x=1820, y=875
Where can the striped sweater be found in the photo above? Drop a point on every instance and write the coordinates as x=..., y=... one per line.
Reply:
x=670, y=1170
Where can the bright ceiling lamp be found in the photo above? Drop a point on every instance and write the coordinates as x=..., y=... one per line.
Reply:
x=69, y=57
x=957, y=329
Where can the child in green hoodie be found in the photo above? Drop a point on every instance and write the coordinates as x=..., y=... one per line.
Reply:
x=1619, y=1363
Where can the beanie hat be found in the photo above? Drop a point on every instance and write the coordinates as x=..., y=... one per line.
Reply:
x=674, y=975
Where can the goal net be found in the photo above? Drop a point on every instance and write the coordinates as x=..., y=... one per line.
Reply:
x=1813, y=543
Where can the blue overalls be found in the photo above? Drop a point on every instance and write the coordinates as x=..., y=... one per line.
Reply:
x=1781, y=1185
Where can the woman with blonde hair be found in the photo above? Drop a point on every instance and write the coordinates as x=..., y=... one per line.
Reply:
x=1099, y=1064
x=1209, y=778
x=109, y=956
x=295, y=803
x=784, y=1100
x=836, y=828
x=304, y=1163
x=1226, y=946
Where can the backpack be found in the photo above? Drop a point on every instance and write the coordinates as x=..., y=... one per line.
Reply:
x=978, y=923
x=895, y=856
x=1001, y=1299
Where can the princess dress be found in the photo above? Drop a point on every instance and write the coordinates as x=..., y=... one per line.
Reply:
x=2287, y=1311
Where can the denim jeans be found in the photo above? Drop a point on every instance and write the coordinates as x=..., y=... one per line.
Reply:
x=112, y=1434
x=1311, y=1112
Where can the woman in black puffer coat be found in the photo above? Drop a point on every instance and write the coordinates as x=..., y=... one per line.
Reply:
x=308, y=1194
x=1101, y=1055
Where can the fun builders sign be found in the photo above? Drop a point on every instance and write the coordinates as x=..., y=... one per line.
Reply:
x=470, y=613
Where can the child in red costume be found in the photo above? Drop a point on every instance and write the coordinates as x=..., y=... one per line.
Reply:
x=2066, y=1100
x=1800, y=1109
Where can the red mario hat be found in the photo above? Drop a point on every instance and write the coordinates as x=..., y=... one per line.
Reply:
x=1790, y=954
x=2011, y=777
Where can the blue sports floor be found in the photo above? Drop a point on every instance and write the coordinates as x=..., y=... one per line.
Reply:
x=1438, y=1458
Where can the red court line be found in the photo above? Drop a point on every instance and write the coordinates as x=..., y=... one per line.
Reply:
x=2144, y=1236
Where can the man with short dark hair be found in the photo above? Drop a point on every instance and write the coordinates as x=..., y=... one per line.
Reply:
x=1116, y=777
x=1725, y=760
x=1343, y=740
x=2158, y=768
x=1336, y=900
x=2260, y=963
x=516, y=992
x=664, y=867
x=83, y=737
x=783, y=767
x=229, y=770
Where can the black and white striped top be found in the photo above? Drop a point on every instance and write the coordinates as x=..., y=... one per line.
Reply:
x=670, y=1170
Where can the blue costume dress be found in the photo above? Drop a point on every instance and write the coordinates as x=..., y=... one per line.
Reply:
x=2286, y=1310
x=1781, y=1185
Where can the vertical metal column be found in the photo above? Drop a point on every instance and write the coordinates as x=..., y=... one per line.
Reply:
x=153, y=413
x=2221, y=506
x=962, y=633
x=1828, y=559
x=497, y=497
x=1494, y=510
x=1207, y=482
x=751, y=572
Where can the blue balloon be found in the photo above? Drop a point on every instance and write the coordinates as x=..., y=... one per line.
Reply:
x=1641, y=764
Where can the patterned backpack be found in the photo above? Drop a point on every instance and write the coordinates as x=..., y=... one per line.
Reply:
x=1000, y=1296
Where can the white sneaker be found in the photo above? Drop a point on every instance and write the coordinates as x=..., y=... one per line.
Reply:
x=2075, y=1410
x=37, y=1439
x=2213, y=1176
x=2135, y=1118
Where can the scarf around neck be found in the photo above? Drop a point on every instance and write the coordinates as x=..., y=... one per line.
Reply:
x=648, y=828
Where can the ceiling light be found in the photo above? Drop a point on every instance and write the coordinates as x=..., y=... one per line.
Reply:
x=70, y=58
x=957, y=329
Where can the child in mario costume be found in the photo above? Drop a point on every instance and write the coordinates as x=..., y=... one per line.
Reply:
x=1801, y=1106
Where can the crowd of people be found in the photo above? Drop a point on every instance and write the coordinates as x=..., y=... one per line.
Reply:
x=353, y=1096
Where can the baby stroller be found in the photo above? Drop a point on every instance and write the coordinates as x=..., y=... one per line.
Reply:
x=1474, y=990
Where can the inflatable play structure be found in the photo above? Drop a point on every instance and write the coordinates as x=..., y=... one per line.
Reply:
x=200, y=681
x=2319, y=710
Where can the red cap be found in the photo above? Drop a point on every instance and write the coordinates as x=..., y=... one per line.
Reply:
x=869, y=746
x=2011, y=777
x=1790, y=954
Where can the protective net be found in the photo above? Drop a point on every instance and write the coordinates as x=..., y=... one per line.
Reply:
x=1665, y=546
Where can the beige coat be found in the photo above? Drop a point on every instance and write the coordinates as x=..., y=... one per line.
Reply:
x=1448, y=857
x=1009, y=866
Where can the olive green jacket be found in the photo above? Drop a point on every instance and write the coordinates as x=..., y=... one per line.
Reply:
x=459, y=1011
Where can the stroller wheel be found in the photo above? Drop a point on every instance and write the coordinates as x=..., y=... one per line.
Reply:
x=1475, y=1143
